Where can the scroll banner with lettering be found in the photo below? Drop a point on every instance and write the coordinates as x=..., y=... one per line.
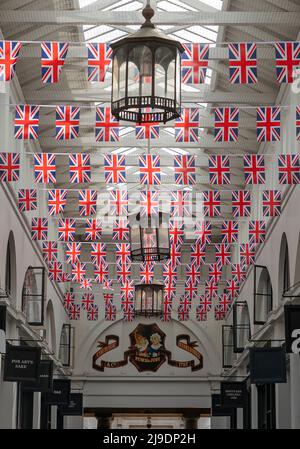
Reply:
x=45, y=381
x=234, y=394
x=147, y=351
x=22, y=364
x=292, y=328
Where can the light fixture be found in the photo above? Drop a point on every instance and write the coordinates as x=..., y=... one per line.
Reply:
x=146, y=81
x=148, y=299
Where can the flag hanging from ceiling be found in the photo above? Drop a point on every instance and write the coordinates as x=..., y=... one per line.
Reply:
x=101, y=273
x=74, y=312
x=128, y=313
x=127, y=292
x=254, y=169
x=242, y=63
x=114, y=169
x=198, y=253
x=53, y=55
x=203, y=308
x=123, y=253
x=72, y=252
x=185, y=170
x=121, y=229
x=238, y=272
x=169, y=291
x=211, y=203
x=27, y=200
x=193, y=274
x=203, y=232
x=169, y=273
x=26, y=126
x=229, y=231
x=194, y=63
x=183, y=314
x=219, y=169
x=86, y=284
x=147, y=272
x=69, y=300
x=224, y=302
x=9, y=55
x=289, y=169
x=57, y=200
x=187, y=125
x=110, y=312
x=241, y=203
x=271, y=203
x=78, y=272
x=257, y=231
x=67, y=122
x=149, y=129
x=149, y=169
x=9, y=167
x=149, y=204
x=98, y=253
x=80, y=168
x=123, y=272
x=44, y=168
x=55, y=271
x=247, y=254
x=39, y=228
x=93, y=229
x=92, y=313
x=87, y=200
x=50, y=251
x=232, y=288
x=223, y=254
x=66, y=229
x=226, y=124
x=99, y=60
x=287, y=57
x=268, y=124
x=87, y=301
x=214, y=272
x=211, y=289
x=107, y=126
x=181, y=204
x=118, y=202
x=176, y=232
x=175, y=255
x=166, y=310
x=297, y=122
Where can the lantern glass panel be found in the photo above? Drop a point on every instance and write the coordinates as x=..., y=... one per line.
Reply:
x=140, y=70
x=119, y=74
x=165, y=72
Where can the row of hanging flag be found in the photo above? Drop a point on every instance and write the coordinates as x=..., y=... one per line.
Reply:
x=242, y=59
x=187, y=126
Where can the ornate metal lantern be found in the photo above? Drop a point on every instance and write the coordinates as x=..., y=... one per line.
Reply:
x=148, y=299
x=146, y=81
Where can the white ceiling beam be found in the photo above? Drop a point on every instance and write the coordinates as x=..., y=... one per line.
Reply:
x=285, y=5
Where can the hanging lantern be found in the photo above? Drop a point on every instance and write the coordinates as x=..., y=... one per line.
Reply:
x=146, y=74
x=148, y=299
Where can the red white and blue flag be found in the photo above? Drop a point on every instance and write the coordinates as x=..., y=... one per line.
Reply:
x=147, y=272
x=223, y=254
x=69, y=300
x=241, y=203
x=44, y=168
x=230, y=231
x=271, y=203
x=175, y=255
x=9, y=55
x=127, y=292
x=57, y=200
x=268, y=124
x=101, y=273
x=99, y=60
x=166, y=310
x=169, y=273
x=27, y=200
x=108, y=298
x=148, y=129
x=110, y=312
x=67, y=122
x=87, y=301
x=119, y=202
x=149, y=169
x=176, y=232
x=287, y=57
x=214, y=272
x=50, y=251
x=181, y=204
x=92, y=313
x=53, y=55
x=72, y=252
x=169, y=291
x=232, y=288
x=78, y=272
x=298, y=122
x=107, y=126
x=247, y=254
x=238, y=272
x=128, y=313
x=183, y=314
x=87, y=200
x=93, y=229
x=121, y=229
x=26, y=126
x=9, y=167
x=289, y=169
x=187, y=125
x=204, y=306
x=185, y=170
x=80, y=168
x=149, y=203
x=203, y=232
x=114, y=169
x=55, y=271
x=226, y=124
x=194, y=63
x=211, y=203
x=74, y=312
x=123, y=253
x=211, y=289
x=242, y=63
x=98, y=253
x=257, y=231
x=254, y=169
x=123, y=272
x=198, y=253
x=86, y=284
x=193, y=273
x=219, y=169
x=39, y=228
x=224, y=302
x=66, y=229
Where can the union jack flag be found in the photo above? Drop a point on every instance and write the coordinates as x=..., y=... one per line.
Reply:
x=65, y=277
x=108, y=285
x=98, y=253
x=166, y=310
x=257, y=231
x=44, y=168
x=181, y=204
x=169, y=291
x=99, y=60
x=101, y=273
x=121, y=229
x=149, y=204
x=223, y=254
x=230, y=231
x=254, y=169
x=9, y=55
x=268, y=124
x=175, y=255
x=66, y=229
x=224, y=302
x=119, y=202
x=147, y=272
x=69, y=300
x=242, y=63
x=55, y=271
x=108, y=298
x=86, y=284
x=187, y=125
x=73, y=252
x=9, y=167
x=190, y=292
x=238, y=272
x=289, y=169
x=26, y=122
x=271, y=202
x=247, y=254
x=219, y=169
x=183, y=315
x=203, y=232
x=74, y=312
x=53, y=55
x=39, y=228
x=93, y=230
x=298, y=122
x=226, y=124
x=232, y=288
x=287, y=57
x=148, y=129
x=107, y=126
x=67, y=122
x=211, y=203
x=192, y=273
x=114, y=169
x=149, y=169
x=129, y=314
x=93, y=313
x=78, y=272
x=201, y=313
x=176, y=232
x=87, y=301
x=198, y=252
x=185, y=301
x=241, y=203
x=123, y=272
x=80, y=168
x=50, y=251
x=57, y=200
x=123, y=253
x=194, y=63
x=185, y=171
x=211, y=289
x=214, y=272
x=27, y=200
x=110, y=312
x=127, y=292
x=169, y=273
x=87, y=202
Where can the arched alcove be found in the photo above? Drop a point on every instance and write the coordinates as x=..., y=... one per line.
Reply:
x=65, y=345
x=33, y=296
x=263, y=294
x=11, y=268
x=284, y=267
x=50, y=327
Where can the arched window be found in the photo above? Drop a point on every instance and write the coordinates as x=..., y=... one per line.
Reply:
x=10, y=267
x=33, y=296
x=241, y=325
x=65, y=345
x=50, y=326
x=284, y=267
x=263, y=294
